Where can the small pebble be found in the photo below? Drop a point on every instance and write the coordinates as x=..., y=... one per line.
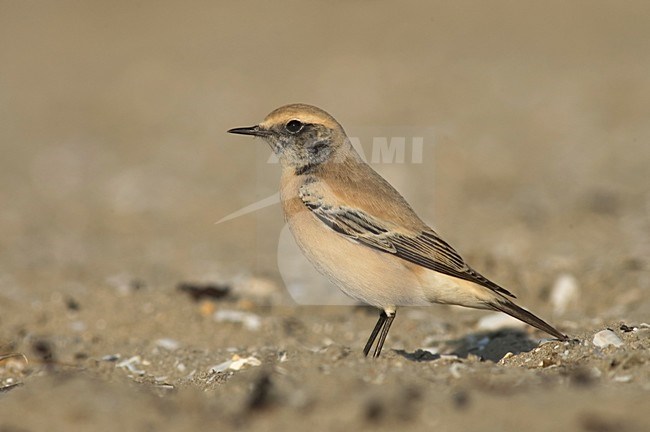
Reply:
x=607, y=337
x=507, y=355
x=235, y=363
x=455, y=369
x=207, y=307
x=431, y=350
x=111, y=357
x=14, y=362
x=249, y=320
x=221, y=367
x=129, y=364
x=627, y=329
x=202, y=291
x=425, y=355
x=623, y=378
x=168, y=344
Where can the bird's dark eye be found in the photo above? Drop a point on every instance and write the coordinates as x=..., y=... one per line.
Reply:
x=294, y=126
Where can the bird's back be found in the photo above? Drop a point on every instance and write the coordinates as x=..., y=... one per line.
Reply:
x=352, y=182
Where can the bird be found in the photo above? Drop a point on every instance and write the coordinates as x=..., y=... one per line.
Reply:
x=358, y=231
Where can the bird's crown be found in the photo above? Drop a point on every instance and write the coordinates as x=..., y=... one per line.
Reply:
x=303, y=113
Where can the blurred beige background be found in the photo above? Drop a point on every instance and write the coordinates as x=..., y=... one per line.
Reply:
x=115, y=166
x=115, y=157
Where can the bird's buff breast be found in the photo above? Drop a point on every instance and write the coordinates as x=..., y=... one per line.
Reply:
x=360, y=272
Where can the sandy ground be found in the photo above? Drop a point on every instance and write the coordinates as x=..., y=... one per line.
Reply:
x=115, y=167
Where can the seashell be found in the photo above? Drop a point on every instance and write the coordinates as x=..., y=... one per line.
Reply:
x=605, y=338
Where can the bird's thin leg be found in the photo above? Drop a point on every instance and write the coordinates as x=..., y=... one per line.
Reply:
x=380, y=324
x=390, y=316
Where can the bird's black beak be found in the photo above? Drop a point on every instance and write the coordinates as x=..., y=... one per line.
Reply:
x=252, y=130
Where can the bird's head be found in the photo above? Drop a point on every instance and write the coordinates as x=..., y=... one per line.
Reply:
x=302, y=136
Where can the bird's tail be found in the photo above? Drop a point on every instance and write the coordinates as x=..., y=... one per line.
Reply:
x=506, y=306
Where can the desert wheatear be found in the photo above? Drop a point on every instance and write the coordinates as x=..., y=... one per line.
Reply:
x=357, y=230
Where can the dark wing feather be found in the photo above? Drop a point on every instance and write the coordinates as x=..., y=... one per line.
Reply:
x=425, y=249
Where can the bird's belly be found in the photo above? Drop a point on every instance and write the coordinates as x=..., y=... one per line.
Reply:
x=371, y=276
x=444, y=289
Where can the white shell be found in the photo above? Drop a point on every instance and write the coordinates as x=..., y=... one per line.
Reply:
x=607, y=337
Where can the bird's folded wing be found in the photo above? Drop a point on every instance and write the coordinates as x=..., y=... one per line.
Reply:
x=424, y=248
